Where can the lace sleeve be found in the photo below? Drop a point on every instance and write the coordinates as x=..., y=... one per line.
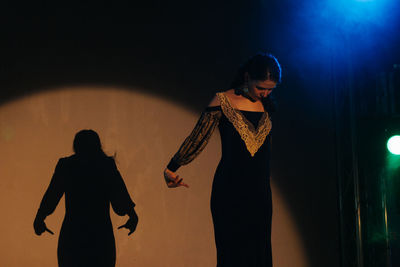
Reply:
x=198, y=139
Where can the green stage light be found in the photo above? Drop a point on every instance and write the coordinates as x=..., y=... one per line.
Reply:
x=393, y=144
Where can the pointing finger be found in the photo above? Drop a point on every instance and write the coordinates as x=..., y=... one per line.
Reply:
x=183, y=184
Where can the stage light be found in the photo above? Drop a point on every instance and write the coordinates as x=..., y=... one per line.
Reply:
x=343, y=27
x=393, y=144
x=358, y=14
x=38, y=129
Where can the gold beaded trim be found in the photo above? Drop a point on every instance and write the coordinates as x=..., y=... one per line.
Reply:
x=253, y=138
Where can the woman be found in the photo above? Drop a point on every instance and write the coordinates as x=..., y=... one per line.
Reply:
x=90, y=181
x=241, y=203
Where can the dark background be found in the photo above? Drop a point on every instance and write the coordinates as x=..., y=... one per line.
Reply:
x=187, y=51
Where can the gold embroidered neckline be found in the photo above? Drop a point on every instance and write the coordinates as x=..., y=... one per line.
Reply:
x=253, y=138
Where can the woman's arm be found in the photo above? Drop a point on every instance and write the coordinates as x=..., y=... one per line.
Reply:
x=50, y=199
x=120, y=199
x=194, y=143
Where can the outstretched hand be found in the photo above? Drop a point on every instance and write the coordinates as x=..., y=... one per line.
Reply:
x=173, y=180
x=40, y=227
x=130, y=224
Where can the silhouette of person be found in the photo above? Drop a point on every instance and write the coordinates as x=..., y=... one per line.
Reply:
x=90, y=181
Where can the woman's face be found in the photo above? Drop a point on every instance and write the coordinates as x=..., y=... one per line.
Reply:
x=260, y=89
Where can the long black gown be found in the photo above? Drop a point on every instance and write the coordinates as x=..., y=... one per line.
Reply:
x=90, y=185
x=241, y=202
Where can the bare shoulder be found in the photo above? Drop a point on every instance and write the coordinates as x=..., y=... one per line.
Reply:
x=233, y=97
x=215, y=101
x=230, y=93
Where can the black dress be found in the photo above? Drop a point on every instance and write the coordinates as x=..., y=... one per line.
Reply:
x=241, y=202
x=90, y=185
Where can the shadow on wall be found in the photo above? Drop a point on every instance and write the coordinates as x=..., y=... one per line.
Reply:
x=144, y=131
x=91, y=182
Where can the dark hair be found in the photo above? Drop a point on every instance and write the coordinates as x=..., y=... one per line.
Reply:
x=87, y=143
x=262, y=66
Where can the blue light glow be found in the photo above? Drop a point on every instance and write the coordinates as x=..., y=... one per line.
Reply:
x=335, y=27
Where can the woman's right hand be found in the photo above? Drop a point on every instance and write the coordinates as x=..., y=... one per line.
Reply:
x=172, y=179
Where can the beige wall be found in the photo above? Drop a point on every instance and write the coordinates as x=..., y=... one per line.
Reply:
x=175, y=227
